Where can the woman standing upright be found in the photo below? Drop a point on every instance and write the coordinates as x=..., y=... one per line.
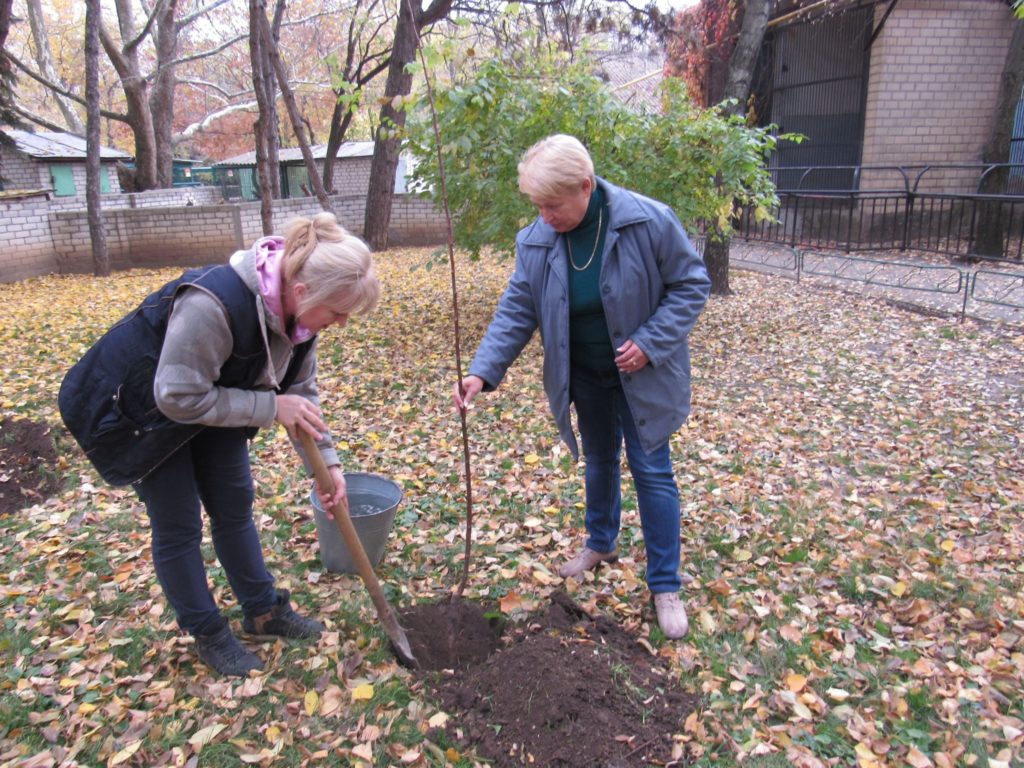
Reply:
x=614, y=285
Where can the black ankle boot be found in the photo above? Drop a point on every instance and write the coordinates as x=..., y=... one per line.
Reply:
x=282, y=621
x=220, y=649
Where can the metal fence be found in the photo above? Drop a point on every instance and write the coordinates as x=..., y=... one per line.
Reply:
x=947, y=209
x=988, y=293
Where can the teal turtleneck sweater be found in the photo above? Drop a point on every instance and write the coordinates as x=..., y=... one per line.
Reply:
x=590, y=345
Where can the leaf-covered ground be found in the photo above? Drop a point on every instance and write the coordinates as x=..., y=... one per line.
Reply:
x=852, y=486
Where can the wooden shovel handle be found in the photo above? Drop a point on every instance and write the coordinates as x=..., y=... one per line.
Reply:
x=355, y=547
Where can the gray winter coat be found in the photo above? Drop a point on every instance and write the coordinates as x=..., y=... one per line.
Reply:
x=653, y=286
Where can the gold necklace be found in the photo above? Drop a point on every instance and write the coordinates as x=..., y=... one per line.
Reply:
x=593, y=252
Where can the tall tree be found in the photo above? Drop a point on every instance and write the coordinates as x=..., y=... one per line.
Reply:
x=412, y=18
x=694, y=58
x=8, y=112
x=298, y=126
x=992, y=218
x=738, y=78
x=265, y=126
x=362, y=62
x=100, y=257
x=126, y=59
x=44, y=60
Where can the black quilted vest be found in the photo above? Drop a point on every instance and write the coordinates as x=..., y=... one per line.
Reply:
x=106, y=399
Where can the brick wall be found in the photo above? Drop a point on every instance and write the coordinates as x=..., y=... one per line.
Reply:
x=40, y=238
x=933, y=85
x=154, y=198
x=20, y=172
x=27, y=244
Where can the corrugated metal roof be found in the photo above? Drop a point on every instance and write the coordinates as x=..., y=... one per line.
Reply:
x=294, y=154
x=51, y=145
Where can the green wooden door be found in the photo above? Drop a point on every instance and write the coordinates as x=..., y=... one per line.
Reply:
x=63, y=180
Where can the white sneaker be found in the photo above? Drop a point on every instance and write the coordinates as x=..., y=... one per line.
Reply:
x=671, y=615
x=586, y=560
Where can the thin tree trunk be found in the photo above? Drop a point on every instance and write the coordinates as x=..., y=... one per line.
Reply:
x=260, y=127
x=267, y=40
x=273, y=126
x=44, y=59
x=8, y=115
x=992, y=218
x=100, y=257
x=388, y=143
x=161, y=96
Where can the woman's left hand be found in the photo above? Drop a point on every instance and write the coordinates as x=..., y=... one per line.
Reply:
x=630, y=358
x=340, y=491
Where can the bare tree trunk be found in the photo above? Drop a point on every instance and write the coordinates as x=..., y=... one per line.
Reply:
x=388, y=141
x=260, y=127
x=744, y=55
x=992, y=218
x=44, y=59
x=161, y=97
x=380, y=196
x=136, y=92
x=737, y=86
x=7, y=114
x=100, y=257
x=267, y=40
x=273, y=126
x=716, y=259
x=360, y=67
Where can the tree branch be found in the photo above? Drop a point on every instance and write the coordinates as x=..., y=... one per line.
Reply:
x=184, y=22
x=42, y=121
x=58, y=89
x=132, y=44
x=211, y=118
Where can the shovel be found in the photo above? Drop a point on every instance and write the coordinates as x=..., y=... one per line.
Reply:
x=355, y=547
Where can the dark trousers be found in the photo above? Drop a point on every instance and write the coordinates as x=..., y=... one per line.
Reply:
x=212, y=469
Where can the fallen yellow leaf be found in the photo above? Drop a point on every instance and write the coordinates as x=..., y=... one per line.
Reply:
x=311, y=702
x=362, y=692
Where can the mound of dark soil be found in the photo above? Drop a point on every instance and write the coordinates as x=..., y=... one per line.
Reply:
x=28, y=464
x=559, y=689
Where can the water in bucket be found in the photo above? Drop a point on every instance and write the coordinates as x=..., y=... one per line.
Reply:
x=373, y=501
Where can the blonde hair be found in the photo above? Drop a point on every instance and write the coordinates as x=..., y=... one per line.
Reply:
x=335, y=266
x=554, y=166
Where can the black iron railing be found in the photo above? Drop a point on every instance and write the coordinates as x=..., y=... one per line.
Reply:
x=900, y=208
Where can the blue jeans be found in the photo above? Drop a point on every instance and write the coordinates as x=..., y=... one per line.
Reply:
x=604, y=420
x=212, y=468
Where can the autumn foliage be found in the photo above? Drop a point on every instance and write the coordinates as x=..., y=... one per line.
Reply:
x=699, y=45
x=852, y=492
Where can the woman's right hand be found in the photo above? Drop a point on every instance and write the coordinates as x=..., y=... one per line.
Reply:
x=295, y=412
x=466, y=390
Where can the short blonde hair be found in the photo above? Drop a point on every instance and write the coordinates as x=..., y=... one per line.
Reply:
x=335, y=266
x=554, y=166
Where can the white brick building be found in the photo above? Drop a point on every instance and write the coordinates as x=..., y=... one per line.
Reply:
x=54, y=162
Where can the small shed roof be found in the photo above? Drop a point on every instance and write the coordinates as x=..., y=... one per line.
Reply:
x=294, y=154
x=53, y=145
